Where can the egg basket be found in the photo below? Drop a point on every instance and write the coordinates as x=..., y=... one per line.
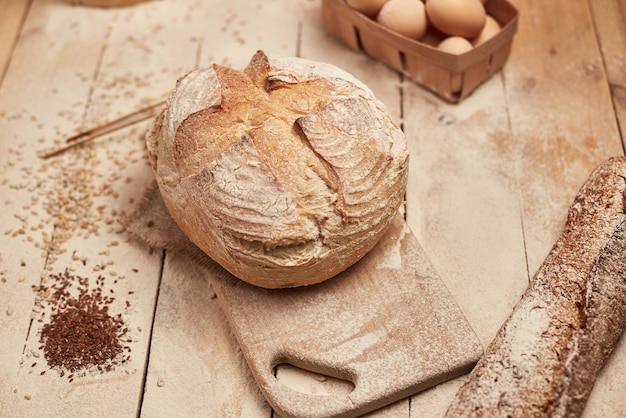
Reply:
x=429, y=67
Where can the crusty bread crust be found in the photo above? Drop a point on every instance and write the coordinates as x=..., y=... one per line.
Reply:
x=545, y=358
x=285, y=173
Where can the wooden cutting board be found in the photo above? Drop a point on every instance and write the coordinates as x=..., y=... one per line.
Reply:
x=388, y=325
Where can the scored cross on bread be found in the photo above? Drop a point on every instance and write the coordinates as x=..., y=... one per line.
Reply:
x=285, y=173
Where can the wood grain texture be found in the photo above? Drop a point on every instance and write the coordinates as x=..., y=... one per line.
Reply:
x=490, y=180
x=556, y=80
x=11, y=21
x=195, y=363
x=610, y=25
x=68, y=209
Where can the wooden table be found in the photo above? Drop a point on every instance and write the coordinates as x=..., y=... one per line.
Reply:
x=490, y=183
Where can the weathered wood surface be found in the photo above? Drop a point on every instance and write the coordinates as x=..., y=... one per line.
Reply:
x=11, y=20
x=490, y=183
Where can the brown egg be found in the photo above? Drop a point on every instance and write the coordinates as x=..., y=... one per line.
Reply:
x=367, y=7
x=491, y=29
x=455, y=45
x=457, y=17
x=407, y=17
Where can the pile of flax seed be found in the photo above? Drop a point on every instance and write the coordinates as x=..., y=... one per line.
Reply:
x=81, y=333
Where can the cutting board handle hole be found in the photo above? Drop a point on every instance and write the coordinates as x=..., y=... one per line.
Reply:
x=305, y=380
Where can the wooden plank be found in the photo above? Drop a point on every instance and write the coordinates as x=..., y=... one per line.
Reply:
x=461, y=200
x=232, y=34
x=195, y=363
x=11, y=20
x=148, y=47
x=70, y=208
x=561, y=116
x=27, y=123
x=462, y=206
x=563, y=126
x=610, y=26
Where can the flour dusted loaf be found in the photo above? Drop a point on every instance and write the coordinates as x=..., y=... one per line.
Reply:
x=285, y=173
x=545, y=359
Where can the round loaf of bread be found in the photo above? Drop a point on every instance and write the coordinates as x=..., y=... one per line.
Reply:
x=285, y=173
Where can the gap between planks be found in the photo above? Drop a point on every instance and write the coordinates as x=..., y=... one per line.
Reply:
x=12, y=19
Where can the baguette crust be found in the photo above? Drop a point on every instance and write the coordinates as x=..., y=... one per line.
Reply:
x=545, y=358
x=285, y=173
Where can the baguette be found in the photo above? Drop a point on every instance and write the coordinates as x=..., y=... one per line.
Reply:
x=545, y=358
